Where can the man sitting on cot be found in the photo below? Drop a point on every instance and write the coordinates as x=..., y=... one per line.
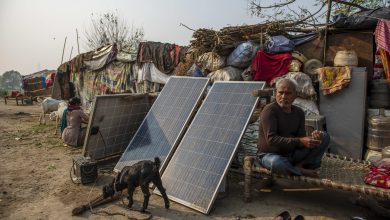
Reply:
x=283, y=145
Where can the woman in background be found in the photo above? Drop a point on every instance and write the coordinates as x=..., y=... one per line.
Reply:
x=74, y=134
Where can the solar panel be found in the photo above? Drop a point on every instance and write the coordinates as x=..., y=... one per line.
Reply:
x=199, y=164
x=164, y=124
x=114, y=120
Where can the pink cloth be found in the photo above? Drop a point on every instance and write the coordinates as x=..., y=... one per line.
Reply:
x=382, y=34
x=73, y=135
x=266, y=67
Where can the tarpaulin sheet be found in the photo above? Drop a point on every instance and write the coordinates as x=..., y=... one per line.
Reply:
x=101, y=57
x=149, y=72
x=115, y=78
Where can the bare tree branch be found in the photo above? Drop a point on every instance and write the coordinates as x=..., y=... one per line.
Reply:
x=109, y=29
x=181, y=24
x=351, y=4
x=258, y=6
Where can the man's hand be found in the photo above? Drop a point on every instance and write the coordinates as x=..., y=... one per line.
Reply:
x=317, y=135
x=309, y=142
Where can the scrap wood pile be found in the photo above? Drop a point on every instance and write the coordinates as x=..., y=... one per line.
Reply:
x=224, y=40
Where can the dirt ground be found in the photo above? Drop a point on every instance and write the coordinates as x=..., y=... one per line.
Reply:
x=35, y=184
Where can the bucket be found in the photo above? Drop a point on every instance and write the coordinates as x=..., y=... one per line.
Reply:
x=345, y=58
x=378, y=136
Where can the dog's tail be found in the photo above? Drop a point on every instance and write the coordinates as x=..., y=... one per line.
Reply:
x=157, y=162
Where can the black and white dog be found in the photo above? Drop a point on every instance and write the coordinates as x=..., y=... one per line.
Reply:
x=139, y=174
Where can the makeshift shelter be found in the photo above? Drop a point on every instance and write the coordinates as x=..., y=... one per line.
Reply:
x=39, y=83
x=280, y=46
x=109, y=71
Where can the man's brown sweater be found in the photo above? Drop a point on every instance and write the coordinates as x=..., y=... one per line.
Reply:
x=279, y=131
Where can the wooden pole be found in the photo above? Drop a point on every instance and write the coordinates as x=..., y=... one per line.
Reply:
x=70, y=56
x=77, y=35
x=63, y=50
x=326, y=30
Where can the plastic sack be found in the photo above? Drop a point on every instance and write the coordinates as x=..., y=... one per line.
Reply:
x=195, y=71
x=308, y=106
x=366, y=19
x=149, y=72
x=280, y=44
x=247, y=74
x=305, y=87
x=226, y=74
x=242, y=56
x=211, y=62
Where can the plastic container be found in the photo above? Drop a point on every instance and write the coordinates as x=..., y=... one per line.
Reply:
x=386, y=152
x=314, y=122
x=378, y=136
x=379, y=94
x=346, y=58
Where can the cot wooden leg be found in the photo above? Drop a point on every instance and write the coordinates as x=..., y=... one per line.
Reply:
x=248, y=163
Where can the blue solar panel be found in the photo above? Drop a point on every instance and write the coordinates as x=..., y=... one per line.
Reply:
x=163, y=125
x=200, y=162
x=117, y=118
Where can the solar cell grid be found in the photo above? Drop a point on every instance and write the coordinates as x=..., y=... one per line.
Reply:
x=118, y=118
x=199, y=163
x=165, y=121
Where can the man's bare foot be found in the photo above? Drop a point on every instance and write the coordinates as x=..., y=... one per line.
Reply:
x=308, y=172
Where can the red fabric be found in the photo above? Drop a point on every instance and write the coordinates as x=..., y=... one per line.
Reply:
x=382, y=34
x=73, y=106
x=49, y=82
x=177, y=54
x=266, y=67
x=14, y=94
x=379, y=175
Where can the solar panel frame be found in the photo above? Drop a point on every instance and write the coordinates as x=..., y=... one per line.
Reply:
x=192, y=205
x=117, y=168
x=102, y=106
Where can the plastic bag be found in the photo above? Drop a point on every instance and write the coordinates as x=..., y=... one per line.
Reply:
x=242, y=56
x=195, y=71
x=280, y=44
x=247, y=74
x=305, y=87
x=210, y=62
x=226, y=74
x=308, y=106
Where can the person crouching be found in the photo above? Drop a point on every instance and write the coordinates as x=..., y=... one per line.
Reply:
x=73, y=134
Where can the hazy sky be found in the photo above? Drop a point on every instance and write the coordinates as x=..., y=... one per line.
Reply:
x=32, y=32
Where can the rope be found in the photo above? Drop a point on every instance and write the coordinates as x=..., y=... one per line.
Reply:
x=340, y=173
x=106, y=213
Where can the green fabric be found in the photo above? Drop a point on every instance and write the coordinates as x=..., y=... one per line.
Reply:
x=63, y=120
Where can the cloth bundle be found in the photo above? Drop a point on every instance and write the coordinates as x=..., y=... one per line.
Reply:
x=379, y=175
x=333, y=79
x=266, y=67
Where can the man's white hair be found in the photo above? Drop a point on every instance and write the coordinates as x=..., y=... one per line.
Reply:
x=289, y=81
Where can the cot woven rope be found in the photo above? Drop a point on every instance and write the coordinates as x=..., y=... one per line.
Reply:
x=339, y=173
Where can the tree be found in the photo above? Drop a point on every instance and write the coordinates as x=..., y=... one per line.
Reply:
x=108, y=29
x=283, y=11
x=11, y=80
